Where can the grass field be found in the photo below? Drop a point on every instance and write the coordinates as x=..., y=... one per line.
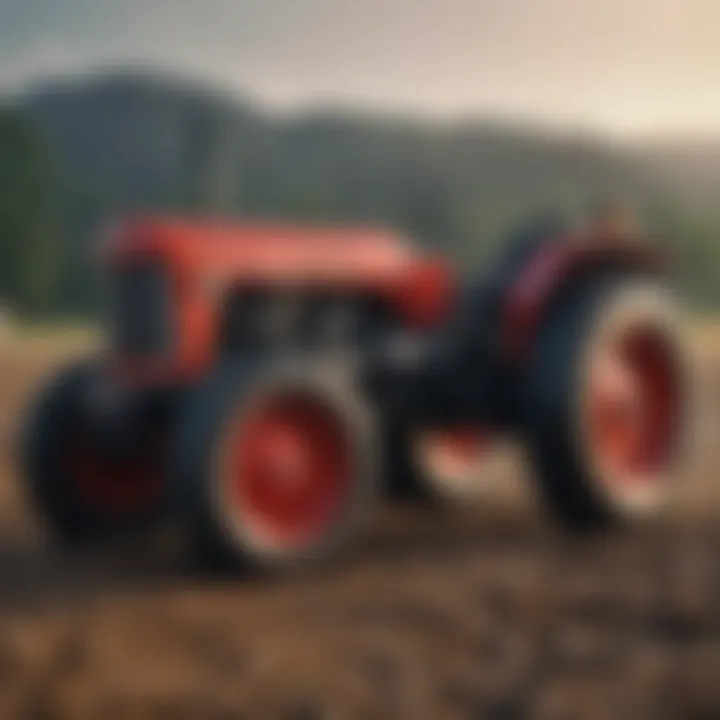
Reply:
x=474, y=612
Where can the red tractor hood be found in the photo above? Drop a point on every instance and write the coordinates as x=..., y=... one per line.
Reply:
x=268, y=251
x=370, y=260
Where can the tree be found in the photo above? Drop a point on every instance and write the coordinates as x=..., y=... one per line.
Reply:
x=28, y=218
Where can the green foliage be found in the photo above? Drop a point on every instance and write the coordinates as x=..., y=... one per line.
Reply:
x=28, y=218
x=691, y=242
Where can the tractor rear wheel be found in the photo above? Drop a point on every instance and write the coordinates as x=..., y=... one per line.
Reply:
x=606, y=404
x=275, y=466
x=84, y=490
x=445, y=464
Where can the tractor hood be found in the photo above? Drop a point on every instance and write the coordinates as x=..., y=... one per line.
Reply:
x=262, y=249
x=363, y=259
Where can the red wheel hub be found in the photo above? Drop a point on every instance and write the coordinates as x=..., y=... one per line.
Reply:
x=634, y=405
x=289, y=470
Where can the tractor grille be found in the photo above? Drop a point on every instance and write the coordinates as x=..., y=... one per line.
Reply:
x=140, y=310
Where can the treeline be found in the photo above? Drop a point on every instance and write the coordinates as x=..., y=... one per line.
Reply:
x=31, y=252
x=74, y=156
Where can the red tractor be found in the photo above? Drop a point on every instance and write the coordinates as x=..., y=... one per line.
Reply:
x=267, y=383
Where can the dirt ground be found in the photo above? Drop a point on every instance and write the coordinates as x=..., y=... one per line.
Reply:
x=474, y=612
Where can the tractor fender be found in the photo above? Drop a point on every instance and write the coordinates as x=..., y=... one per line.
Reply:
x=549, y=270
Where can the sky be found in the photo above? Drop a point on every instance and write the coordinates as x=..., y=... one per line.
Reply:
x=623, y=67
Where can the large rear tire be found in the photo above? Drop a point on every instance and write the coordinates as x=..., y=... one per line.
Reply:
x=82, y=492
x=606, y=403
x=275, y=466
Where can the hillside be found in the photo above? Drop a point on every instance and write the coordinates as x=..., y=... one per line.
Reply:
x=125, y=142
x=689, y=168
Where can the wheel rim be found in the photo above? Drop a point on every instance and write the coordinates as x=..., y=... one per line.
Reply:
x=452, y=456
x=634, y=407
x=289, y=471
x=115, y=484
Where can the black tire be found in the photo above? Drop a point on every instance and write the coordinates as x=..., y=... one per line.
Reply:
x=571, y=485
x=227, y=541
x=50, y=428
x=403, y=479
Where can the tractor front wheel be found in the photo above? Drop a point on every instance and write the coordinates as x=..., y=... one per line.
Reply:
x=275, y=466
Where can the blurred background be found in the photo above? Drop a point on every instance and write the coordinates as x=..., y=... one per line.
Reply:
x=452, y=120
